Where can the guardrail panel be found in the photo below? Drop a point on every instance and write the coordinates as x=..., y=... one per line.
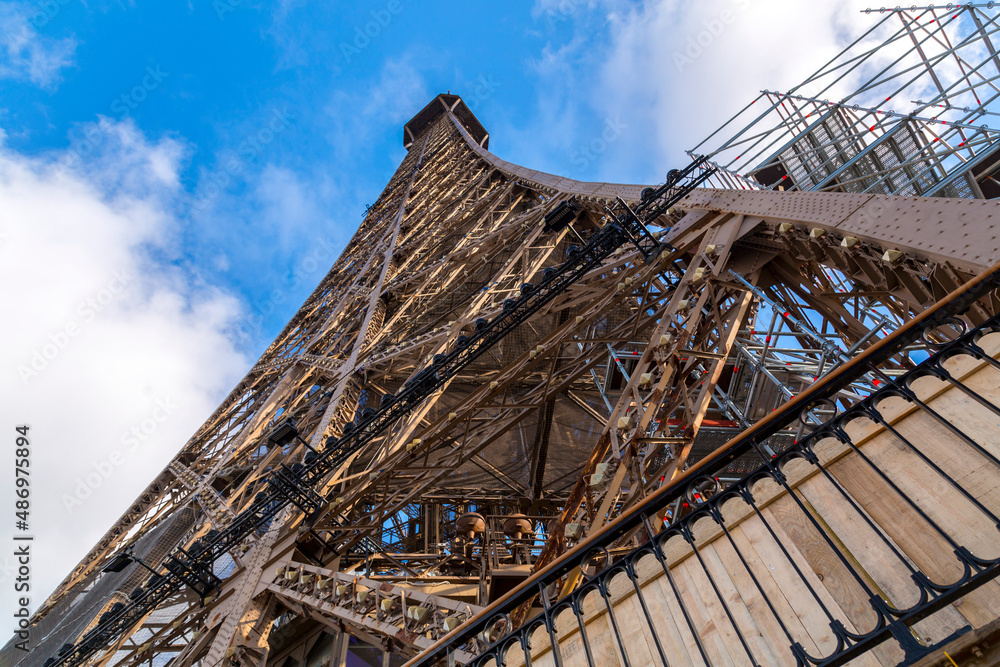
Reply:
x=892, y=499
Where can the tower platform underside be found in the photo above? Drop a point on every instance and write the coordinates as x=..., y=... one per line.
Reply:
x=619, y=421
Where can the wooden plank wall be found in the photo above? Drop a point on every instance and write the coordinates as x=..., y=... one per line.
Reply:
x=780, y=578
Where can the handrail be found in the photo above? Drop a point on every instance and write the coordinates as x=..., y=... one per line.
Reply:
x=958, y=301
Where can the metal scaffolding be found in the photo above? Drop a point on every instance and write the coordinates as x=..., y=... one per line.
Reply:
x=905, y=109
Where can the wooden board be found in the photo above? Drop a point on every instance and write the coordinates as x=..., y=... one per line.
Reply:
x=783, y=571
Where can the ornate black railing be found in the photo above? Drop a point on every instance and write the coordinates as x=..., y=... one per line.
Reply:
x=868, y=529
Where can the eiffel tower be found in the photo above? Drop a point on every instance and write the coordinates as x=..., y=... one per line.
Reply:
x=518, y=403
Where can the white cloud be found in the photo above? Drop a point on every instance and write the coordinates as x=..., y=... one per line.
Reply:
x=27, y=54
x=287, y=204
x=668, y=72
x=108, y=347
x=396, y=95
x=681, y=70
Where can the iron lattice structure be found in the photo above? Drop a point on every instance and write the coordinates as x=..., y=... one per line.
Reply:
x=908, y=108
x=503, y=361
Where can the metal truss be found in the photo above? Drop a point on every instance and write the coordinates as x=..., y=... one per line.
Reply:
x=500, y=363
x=908, y=108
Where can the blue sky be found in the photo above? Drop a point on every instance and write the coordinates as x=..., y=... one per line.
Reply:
x=337, y=80
x=175, y=178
